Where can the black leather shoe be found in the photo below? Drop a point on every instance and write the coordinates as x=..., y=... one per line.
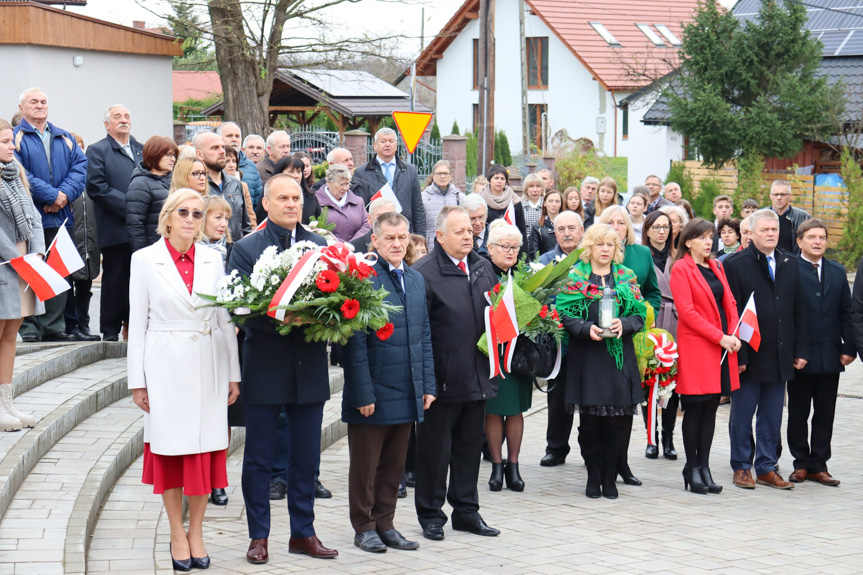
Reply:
x=111, y=337
x=552, y=460
x=278, y=490
x=62, y=336
x=477, y=527
x=668, y=451
x=410, y=479
x=321, y=492
x=396, y=540
x=433, y=531
x=651, y=452
x=514, y=482
x=201, y=562
x=403, y=492
x=30, y=338
x=370, y=541
x=180, y=564
x=81, y=336
x=219, y=497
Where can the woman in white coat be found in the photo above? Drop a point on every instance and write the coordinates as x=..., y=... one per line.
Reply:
x=183, y=370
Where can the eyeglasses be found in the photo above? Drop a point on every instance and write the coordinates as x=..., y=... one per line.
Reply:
x=199, y=174
x=442, y=174
x=660, y=228
x=507, y=249
x=184, y=213
x=779, y=195
x=479, y=219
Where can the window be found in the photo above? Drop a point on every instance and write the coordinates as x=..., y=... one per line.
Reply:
x=534, y=123
x=625, y=127
x=476, y=64
x=606, y=35
x=651, y=35
x=669, y=35
x=537, y=63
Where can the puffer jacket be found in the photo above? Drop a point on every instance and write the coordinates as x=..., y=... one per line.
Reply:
x=144, y=199
x=434, y=199
x=251, y=177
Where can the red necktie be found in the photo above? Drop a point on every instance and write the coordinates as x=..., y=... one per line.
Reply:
x=462, y=267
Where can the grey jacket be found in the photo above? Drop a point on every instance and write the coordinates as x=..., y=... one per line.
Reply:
x=433, y=202
x=10, y=296
x=232, y=190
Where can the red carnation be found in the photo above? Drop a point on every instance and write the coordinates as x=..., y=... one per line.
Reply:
x=350, y=308
x=361, y=270
x=497, y=288
x=554, y=314
x=543, y=313
x=327, y=281
x=385, y=332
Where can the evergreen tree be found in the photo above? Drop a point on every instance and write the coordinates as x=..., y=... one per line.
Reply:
x=455, y=130
x=435, y=132
x=502, y=154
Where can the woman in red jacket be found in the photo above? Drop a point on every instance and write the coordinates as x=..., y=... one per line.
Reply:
x=706, y=312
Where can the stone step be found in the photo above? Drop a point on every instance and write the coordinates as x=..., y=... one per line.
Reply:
x=46, y=363
x=58, y=405
x=25, y=348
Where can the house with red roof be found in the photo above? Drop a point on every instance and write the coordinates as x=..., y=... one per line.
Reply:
x=583, y=58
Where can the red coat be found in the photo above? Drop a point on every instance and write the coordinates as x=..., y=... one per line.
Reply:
x=699, y=329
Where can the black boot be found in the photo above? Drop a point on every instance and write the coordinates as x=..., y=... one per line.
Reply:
x=609, y=481
x=514, y=482
x=610, y=443
x=708, y=481
x=668, y=451
x=495, y=482
x=692, y=480
x=594, y=481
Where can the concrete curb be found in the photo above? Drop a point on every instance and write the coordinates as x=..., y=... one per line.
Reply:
x=62, y=364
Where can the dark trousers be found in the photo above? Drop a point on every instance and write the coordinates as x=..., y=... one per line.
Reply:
x=377, y=454
x=261, y=424
x=282, y=451
x=83, y=294
x=763, y=400
x=815, y=392
x=411, y=461
x=559, y=420
x=52, y=322
x=116, y=265
x=668, y=416
x=450, y=439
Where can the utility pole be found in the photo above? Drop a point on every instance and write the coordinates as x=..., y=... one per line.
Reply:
x=485, y=136
x=423, y=30
x=525, y=126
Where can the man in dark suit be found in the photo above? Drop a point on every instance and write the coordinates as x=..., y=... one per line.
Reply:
x=386, y=168
x=773, y=276
x=457, y=280
x=824, y=284
x=281, y=371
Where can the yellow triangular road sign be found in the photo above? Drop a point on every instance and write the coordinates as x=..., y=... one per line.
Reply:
x=412, y=126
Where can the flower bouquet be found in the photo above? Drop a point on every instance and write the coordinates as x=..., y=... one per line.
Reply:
x=318, y=225
x=657, y=361
x=325, y=290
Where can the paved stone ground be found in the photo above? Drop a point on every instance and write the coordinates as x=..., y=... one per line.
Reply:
x=553, y=528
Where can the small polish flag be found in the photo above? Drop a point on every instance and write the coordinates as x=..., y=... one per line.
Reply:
x=388, y=193
x=63, y=256
x=46, y=282
x=509, y=214
x=749, y=331
x=503, y=318
x=260, y=226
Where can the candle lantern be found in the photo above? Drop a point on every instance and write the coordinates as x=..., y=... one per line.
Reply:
x=607, y=311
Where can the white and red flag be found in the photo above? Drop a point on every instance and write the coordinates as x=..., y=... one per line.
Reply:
x=388, y=193
x=260, y=226
x=503, y=318
x=749, y=331
x=509, y=214
x=63, y=256
x=45, y=282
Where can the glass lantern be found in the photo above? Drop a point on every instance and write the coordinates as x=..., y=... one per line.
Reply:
x=607, y=311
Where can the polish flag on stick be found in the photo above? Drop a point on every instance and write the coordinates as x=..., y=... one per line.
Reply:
x=509, y=214
x=503, y=318
x=46, y=282
x=748, y=326
x=63, y=256
x=388, y=193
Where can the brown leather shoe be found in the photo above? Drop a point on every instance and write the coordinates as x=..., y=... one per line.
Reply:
x=743, y=479
x=823, y=478
x=312, y=547
x=257, y=552
x=797, y=476
x=774, y=480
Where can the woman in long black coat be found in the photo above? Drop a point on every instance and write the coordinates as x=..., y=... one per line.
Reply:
x=147, y=191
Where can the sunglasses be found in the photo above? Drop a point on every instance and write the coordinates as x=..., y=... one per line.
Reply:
x=199, y=174
x=184, y=213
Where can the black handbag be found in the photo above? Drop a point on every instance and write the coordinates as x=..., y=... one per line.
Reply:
x=534, y=359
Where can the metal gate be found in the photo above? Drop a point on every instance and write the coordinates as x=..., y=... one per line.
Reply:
x=316, y=144
x=427, y=154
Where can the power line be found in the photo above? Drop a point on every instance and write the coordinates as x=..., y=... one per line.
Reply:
x=828, y=9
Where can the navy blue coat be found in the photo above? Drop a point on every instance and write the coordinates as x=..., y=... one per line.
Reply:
x=393, y=374
x=108, y=176
x=278, y=369
x=67, y=173
x=828, y=311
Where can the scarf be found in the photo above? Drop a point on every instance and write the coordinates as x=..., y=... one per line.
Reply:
x=660, y=257
x=730, y=249
x=576, y=297
x=14, y=199
x=500, y=202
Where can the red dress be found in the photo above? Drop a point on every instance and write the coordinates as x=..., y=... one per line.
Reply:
x=196, y=473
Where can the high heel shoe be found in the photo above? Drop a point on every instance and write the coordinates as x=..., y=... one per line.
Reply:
x=708, y=481
x=201, y=562
x=180, y=564
x=514, y=482
x=692, y=480
x=628, y=477
x=218, y=497
x=495, y=482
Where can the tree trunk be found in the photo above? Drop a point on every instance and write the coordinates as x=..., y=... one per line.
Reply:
x=485, y=132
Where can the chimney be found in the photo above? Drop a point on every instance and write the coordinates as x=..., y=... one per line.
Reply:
x=139, y=24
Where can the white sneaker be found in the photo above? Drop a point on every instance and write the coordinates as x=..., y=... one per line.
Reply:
x=7, y=408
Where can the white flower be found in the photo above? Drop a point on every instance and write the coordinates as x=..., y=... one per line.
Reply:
x=535, y=266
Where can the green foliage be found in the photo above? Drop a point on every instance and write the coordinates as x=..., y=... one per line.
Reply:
x=850, y=246
x=455, y=130
x=750, y=167
x=471, y=151
x=435, y=132
x=702, y=204
x=678, y=174
x=573, y=167
x=186, y=24
x=192, y=107
x=751, y=87
x=320, y=170
x=502, y=155
x=329, y=125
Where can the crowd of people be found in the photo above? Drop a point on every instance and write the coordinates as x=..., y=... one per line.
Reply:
x=421, y=408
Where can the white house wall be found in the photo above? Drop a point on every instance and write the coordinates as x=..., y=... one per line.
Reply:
x=574, y=98
x=79, y=96
x=649, y=149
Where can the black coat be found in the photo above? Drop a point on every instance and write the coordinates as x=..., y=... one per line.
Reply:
x=311, y=208
x=828, y=311
x=543, y=237
x=85, y=233
x=278, y=369
x=781, y=313
x=406, y=185
x=147, y=193
x=456, y=308
x=109, y=172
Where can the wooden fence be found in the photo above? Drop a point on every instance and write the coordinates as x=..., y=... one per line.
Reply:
x=826, y=203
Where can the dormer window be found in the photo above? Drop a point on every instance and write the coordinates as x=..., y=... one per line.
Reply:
x=651, y=35
x=606, y=35
x=669, y=35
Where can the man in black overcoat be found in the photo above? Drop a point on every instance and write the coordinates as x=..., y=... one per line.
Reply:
x=456, y=280
x=281, y=371
x=773, y=276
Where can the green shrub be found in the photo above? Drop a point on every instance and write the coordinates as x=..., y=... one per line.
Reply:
x=702, y=204
x=678, y=174
x=435, y=132
x=471, y=151
x=574, y=166
x=502, y=154
x=320, y=170
x=850, y=246
x=455, y=130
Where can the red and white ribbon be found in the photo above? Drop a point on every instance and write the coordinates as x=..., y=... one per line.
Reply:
x=651, y=414
x=292, y=283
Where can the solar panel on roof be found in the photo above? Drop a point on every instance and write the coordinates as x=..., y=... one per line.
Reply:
x=854, y=45
x=832, y=39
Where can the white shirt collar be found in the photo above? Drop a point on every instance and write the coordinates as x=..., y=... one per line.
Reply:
x=456, y=261
x=819, y=263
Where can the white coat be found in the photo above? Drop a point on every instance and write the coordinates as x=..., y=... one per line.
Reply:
x=183, y=356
